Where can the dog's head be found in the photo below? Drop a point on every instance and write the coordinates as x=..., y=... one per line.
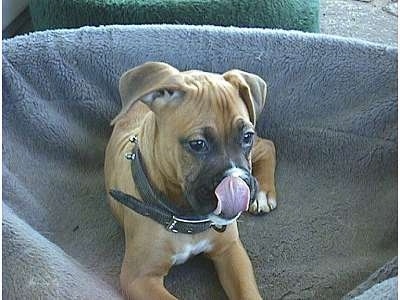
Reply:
x=205, y=124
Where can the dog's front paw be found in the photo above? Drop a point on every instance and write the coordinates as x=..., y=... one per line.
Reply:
x=264, y=203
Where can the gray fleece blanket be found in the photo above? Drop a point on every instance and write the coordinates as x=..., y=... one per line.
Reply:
x=331, y=111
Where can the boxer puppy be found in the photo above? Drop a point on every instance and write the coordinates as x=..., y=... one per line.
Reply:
x=197, y=141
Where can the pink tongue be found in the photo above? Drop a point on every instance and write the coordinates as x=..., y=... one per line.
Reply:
x=233, y=196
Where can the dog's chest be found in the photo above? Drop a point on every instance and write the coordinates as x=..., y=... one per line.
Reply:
x=189, y=250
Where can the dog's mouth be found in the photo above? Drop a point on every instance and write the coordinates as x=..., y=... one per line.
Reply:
x=233, y=197
x=224, y=198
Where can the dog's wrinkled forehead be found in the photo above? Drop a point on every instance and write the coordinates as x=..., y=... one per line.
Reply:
x=162, y=86
x=210, y=100
x=203, y=84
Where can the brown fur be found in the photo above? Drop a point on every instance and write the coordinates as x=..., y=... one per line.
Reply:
x=219, y=102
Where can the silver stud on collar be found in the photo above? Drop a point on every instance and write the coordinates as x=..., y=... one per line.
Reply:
x=133, y=139
x=130, y=156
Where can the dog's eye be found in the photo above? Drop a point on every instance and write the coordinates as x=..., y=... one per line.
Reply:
x=248, y=139
x=199, y=146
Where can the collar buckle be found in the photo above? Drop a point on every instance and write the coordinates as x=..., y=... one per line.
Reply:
x=171, y=225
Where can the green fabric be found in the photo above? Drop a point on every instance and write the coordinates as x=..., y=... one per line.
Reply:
x=284, y=14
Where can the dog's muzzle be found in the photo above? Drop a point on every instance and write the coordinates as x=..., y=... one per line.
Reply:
x=234, y=194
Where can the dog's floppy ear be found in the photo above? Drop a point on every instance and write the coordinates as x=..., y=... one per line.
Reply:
x=252, y=89
x=153, y=83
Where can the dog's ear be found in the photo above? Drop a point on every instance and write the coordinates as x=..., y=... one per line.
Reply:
x=153, y=83
x=252, y=89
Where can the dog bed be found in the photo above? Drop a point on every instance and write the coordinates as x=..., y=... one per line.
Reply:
x=331, y=111
x=285, y=14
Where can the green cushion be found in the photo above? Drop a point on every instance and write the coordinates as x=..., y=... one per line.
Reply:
x=285, y=14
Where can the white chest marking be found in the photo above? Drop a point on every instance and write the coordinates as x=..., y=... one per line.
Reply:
x=190, y=250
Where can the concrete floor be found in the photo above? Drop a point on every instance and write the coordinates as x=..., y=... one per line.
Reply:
x=371, y=20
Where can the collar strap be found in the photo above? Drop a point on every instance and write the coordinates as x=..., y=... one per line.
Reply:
x=155, y=204
x=164, y=217
x=148, y=193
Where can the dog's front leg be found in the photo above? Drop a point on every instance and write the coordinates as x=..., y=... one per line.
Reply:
x=264, y=162
x=147, y=287
x=140, y=280
x=144, y=267
x=235, y=272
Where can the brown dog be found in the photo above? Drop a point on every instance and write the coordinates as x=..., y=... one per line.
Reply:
x=196, y=136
